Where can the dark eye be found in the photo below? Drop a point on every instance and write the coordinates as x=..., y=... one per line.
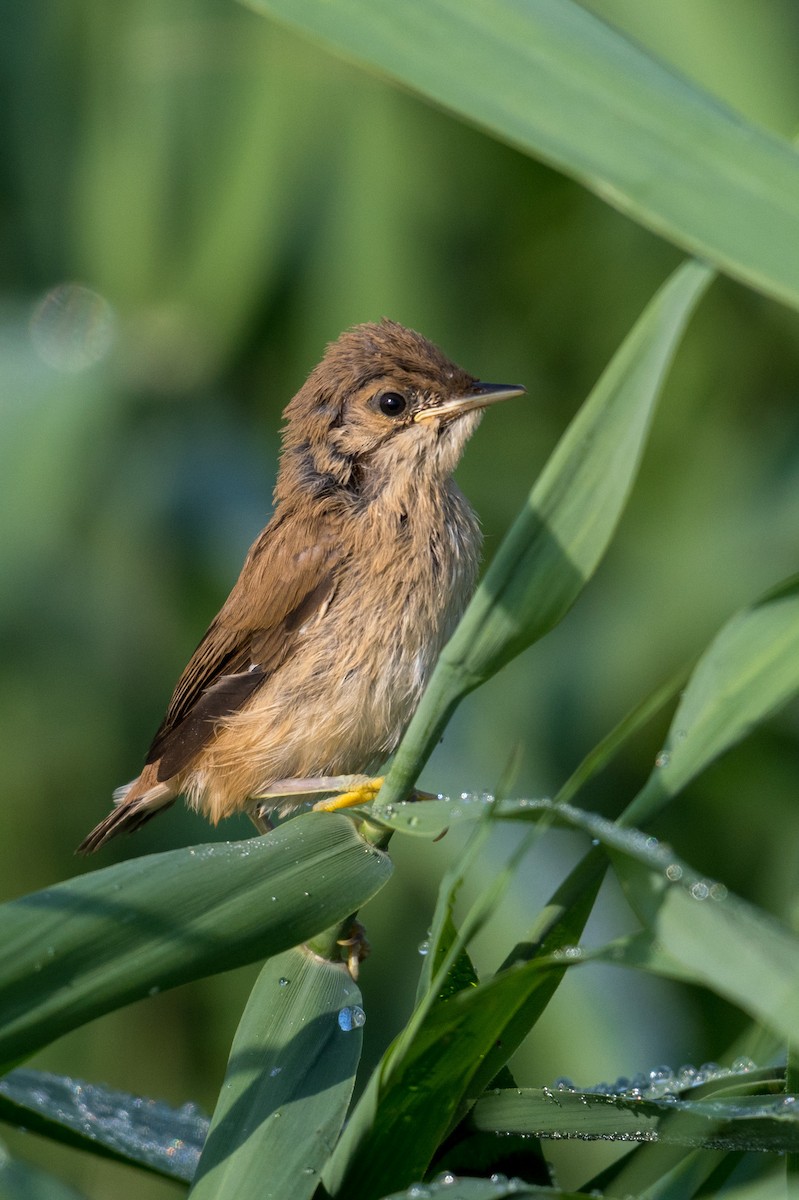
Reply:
x=392, y=403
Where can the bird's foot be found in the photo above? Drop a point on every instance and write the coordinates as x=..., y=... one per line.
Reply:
x=260, y=818
x=356, y=947
x=354, y=797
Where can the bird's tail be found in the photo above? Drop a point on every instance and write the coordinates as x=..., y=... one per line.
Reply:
x=136, y=803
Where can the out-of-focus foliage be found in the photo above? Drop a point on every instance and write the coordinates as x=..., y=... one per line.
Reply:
x=228, y=197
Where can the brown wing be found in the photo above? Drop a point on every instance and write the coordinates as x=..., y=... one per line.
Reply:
x=290, y=573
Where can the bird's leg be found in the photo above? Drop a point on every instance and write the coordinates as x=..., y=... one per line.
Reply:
x=352, y=792
x=364, y=793
x=307, y=787
x=353, y=797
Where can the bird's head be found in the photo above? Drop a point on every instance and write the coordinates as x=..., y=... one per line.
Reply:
x=383, y=405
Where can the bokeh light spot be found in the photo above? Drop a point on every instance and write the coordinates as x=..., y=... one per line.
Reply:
x=72, y=327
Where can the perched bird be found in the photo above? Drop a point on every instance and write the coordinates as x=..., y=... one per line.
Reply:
x=307, y=677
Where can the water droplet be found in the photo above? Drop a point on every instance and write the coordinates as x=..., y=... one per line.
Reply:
x=700, y=890
x=445, y=1179
x=351, y=1017
x=663, y=759
x=283, y=982
x=569, y=953
x=718, y=891
x=275, y=1071
x=424, y=947
x=744, y=1064
x=674, y=872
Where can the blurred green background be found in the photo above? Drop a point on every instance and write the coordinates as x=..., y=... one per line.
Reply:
x=193, y=203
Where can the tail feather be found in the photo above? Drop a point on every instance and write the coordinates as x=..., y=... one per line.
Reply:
x=137, y=803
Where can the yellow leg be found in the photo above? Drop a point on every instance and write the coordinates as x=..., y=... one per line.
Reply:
x=364, y=794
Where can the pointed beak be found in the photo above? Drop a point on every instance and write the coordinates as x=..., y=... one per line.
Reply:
x=479, y=395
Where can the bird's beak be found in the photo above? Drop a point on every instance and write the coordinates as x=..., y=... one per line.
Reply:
x=479, y=395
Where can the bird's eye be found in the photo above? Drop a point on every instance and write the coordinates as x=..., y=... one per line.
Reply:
x=392, y=403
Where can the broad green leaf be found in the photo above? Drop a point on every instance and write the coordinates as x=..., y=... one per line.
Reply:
x=21, y=1181
x=558, y=539
x=288, y=1083
x=729, y=1123
x=552, y=79
x=750, y=670
x=97, y=942
x=100, y=1120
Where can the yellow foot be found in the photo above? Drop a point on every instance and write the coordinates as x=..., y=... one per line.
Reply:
x=363, y=794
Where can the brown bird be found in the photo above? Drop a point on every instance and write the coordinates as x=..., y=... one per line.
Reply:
x=310, y=672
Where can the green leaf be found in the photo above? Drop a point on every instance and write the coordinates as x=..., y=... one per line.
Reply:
x=92, y=944
x=288, y=1083
x=423, y=1082
x=728, y=1123
x=405, y=1112
x=21, y=1181
x=100, y=1120
x=714, y=937
x=561, y=534
x=749, y=671
x=699, y=931
x=557, y=82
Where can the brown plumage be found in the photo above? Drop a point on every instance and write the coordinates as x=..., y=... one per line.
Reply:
x=317, y=659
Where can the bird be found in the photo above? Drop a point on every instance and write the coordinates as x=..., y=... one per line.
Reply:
x=307, y=677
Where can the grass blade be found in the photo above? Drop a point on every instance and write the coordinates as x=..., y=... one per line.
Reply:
x=738, y=1123
x=566, y=87
x=100, y=1120
x=749, y=671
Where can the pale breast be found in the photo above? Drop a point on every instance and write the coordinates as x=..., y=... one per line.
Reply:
x=343, y=700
